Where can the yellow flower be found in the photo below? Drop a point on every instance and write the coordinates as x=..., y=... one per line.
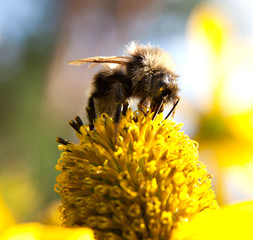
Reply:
x=6, y=218
x=230, y=222
x=141, y=187
x=37, y=231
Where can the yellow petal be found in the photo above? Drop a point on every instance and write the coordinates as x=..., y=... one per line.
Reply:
x=231, y=222
x=6, y=218
x=37, y=231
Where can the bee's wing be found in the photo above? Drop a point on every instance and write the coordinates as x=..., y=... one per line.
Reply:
x=112, y=59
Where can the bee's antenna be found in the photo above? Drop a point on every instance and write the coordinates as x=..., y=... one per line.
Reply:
x=173, y=108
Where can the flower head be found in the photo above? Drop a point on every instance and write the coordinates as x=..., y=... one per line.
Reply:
x=141, y=187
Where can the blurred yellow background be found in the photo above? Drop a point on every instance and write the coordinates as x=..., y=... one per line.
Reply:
x=211, y=42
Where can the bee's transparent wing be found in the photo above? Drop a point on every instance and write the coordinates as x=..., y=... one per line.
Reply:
x=112, y=59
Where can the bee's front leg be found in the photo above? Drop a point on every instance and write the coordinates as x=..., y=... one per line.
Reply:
x=143, y=105
x=173, y=109
x=125, y=107
x=120, y=98
x=91, y=112
x=157, y=108
x=118, y=113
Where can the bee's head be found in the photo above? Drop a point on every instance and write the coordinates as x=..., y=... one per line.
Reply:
x=164, y=87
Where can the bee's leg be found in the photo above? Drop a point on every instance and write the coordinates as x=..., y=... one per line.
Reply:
x=120, y=98
x=117, y=115
x=158, y=108
x=116, y=120
x=173, y=108
x=143, y=103
x=91, y=112
x=125, y=107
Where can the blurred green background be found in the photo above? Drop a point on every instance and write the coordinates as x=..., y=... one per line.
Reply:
x=211, y=43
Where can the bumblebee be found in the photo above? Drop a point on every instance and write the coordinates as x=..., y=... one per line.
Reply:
x=146, y=73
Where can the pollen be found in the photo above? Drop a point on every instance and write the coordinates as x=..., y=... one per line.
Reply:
x=142, y=186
